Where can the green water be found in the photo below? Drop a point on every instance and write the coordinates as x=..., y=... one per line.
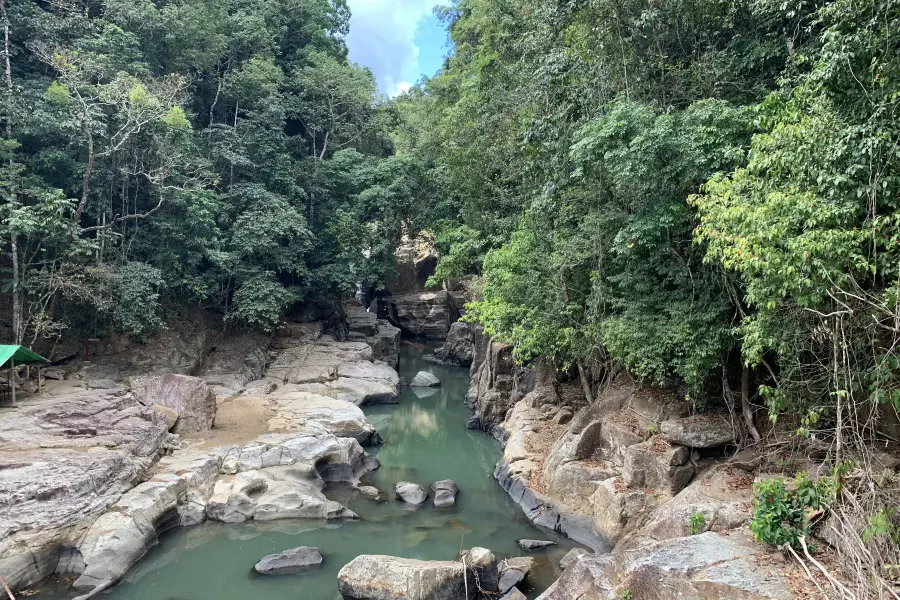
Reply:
x=425, y=441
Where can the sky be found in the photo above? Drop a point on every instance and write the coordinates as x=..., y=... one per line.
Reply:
x=399, y=40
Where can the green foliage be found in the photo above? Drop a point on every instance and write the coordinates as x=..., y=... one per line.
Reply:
x=137, y=310
x=697, y=523
x=781, y=514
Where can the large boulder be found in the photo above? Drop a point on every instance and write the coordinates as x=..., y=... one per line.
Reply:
x=295, y=560
x=427, y=314
x=296, y=409
x=374, y=577
x=700, y=567
x=701, y=431
x=189, y=396
x=424, y=379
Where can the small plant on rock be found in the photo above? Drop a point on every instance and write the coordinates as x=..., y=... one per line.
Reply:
x=697, y=523
x=625, y=594
x=781, y=515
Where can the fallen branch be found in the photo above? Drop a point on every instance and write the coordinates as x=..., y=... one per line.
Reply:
x=6, y=587
x=834, y=582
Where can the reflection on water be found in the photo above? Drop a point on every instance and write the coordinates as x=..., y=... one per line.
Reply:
x=426, y=441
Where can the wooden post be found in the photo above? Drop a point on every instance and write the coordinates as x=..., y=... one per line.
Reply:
x=12, y=380
x=40, y=388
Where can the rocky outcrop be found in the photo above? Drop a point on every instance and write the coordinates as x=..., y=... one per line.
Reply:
x=365, y=326
x=423, y=314
x=495, y=382
x=85, y=488
x=458, y=348
x=374, y=577
x=701, y=567
x=190, y=397
x=513, y=571
x=63, y=461
x=295, y=560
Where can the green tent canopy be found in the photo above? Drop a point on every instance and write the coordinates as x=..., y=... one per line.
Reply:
x=20, y=355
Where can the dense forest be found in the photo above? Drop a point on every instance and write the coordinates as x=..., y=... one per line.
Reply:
x=159, y=153
x=704, y=193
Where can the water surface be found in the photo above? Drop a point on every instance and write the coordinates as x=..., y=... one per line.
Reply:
x=425, y=441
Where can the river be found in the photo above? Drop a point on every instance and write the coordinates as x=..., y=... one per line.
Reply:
x=425, y=441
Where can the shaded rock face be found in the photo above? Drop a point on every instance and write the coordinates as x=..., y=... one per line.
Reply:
x=374, y=577
x=700, y=567
x=458, y=348
x=423, y=314
x=295, y=560
x=513, y=571
x=416, y=261
x=189, y=396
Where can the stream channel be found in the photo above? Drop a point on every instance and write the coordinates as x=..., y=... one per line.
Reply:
x=425, y=441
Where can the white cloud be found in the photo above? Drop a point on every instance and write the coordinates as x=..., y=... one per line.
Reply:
x=402, y=88
x=382, y=37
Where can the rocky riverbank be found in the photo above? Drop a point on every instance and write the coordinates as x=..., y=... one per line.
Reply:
x=631, y=475
x=90, y=474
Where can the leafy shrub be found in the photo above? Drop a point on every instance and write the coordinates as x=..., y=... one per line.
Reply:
x=697, y=523
x=137, y=311
x=781, y=515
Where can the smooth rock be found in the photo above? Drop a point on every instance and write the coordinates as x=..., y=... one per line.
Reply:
x=444, y=492
x=481, y=568
x=563, y=417
x=534, y=544
x=701, y=431
x=424, y=379
x=289, y=561
x=369, y=491
x=411, y=493
x=473, y=423
x=513, y=571
x=375, y=577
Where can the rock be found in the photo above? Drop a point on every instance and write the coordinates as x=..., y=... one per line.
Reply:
x=571, y=556
x=369, y=491
x=374, y=577
x=101, y=384
x=513, y=571
x=481, y=566
x=122, y=536
x=514, y=594
x=534, y=544
x=189, y=396
x=54, y=374
x=427, y=314
x=459, y=347
x=259, y=387
x=289, y=561
x=273, y=493
x=656, y=464
x=563, y=417
x=169, y=415
x=444, y=492
x=424, y=379
x=295, y=409
x=411, y=493
x=473, y=423
x=700, y=567
x=701, y=431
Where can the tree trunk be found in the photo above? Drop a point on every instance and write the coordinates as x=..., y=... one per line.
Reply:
x=585, y=383
x=745, y=405
x=17, y=296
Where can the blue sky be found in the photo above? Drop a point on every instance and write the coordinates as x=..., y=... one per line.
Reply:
x=400, y=40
